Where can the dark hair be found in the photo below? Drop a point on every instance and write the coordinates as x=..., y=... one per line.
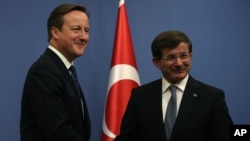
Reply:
x=56, y=17
x=169, y=39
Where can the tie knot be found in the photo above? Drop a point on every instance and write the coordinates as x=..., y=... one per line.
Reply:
x=172, y=88
x=72, y=69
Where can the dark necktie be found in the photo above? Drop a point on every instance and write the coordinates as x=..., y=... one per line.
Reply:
x=171, y=112
x=74, y=77
x=72, y=69
x=83, y=102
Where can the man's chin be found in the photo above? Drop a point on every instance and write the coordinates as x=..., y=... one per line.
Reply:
x=178, y=78
x=80, y=53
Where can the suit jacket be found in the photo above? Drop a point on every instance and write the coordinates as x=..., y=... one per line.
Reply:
x=51, y=106
x=203, y=114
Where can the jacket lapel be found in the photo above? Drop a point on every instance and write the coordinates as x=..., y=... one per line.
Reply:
x=60, y=65
x=58, y=62
x=157, y=103
x=189, y=99
x=68, y=78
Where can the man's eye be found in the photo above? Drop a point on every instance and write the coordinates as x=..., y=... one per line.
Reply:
x=171, y=57
x=184, y=56
x=86, y=29
x=76, y=29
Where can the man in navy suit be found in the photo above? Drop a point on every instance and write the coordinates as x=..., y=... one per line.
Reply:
x=201, y=112
x=53, y=107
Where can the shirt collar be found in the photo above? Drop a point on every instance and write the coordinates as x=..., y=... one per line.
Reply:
x=180, y=85
x=61, y=56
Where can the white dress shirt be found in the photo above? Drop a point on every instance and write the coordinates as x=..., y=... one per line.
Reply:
x=166, y=94
x=61, y=56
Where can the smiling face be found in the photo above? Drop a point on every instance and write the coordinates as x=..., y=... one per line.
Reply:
x=73, y=37
x=175, y=63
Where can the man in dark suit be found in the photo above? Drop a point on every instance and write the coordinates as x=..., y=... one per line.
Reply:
x=201, y=113
x=53, y=106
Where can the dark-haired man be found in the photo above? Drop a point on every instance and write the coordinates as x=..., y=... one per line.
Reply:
x=53, y=104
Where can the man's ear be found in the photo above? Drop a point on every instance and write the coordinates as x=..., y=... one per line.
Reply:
x=54, y=32
x=156, y=62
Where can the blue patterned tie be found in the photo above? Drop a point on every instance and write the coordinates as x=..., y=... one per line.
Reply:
x=72, y=69
x=171, y=112
x=74, y=77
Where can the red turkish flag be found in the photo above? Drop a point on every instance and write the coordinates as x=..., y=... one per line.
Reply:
x=123, y=77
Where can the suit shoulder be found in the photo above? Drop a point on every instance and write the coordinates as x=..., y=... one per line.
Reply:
x=209, y=87
x=48, y=62
x=45, y=68
x=42, y=65
x=209, y=90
